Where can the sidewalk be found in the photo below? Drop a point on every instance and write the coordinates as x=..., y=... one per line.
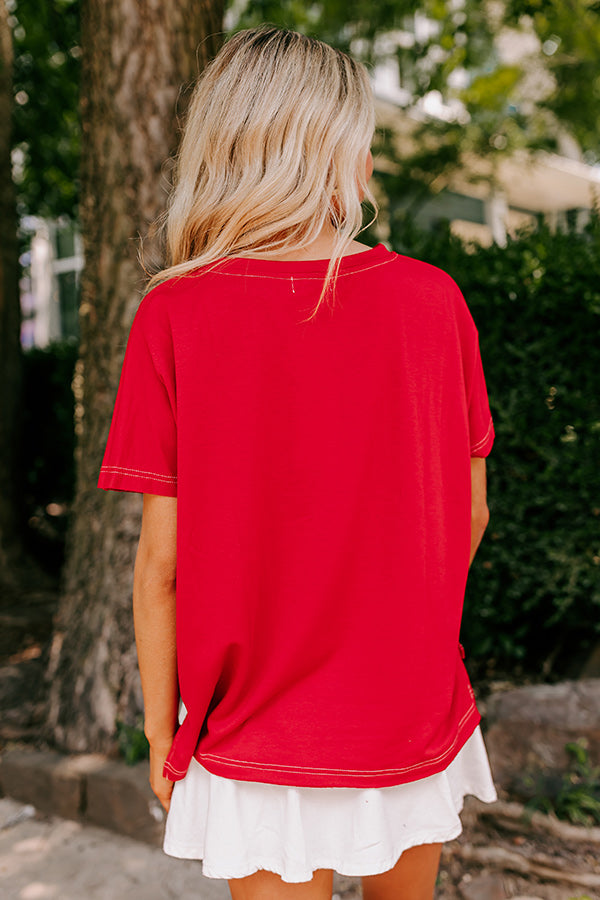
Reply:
x=44, y=857
x=86, y=827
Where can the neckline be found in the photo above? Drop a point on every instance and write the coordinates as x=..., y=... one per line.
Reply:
x=353, y=262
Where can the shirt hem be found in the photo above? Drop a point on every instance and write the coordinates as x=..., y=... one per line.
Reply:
x=312, y=776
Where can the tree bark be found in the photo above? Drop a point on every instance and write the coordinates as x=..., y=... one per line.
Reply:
x=140, y=58
x=10, y=316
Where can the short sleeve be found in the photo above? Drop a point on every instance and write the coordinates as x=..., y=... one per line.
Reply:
x=141, y=450
x=481, y=426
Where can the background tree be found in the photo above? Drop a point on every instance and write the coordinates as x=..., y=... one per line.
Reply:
x=445, y=52
x=568, y=32
x=136, y=55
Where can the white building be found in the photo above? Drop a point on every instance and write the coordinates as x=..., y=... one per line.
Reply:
x=50, y=282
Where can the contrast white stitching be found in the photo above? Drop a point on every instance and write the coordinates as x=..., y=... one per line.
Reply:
x=312, y=770
x=483, y=440
x=173, y=769
x=285, y=276
x=132, y=473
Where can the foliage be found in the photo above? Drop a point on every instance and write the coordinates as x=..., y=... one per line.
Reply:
x=533, y=594
x=133, y=743
x=569, y=34
x=445, y=53
x=46, y=134
x=576, y=797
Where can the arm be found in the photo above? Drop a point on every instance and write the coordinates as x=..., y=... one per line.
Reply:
x=480, y=514
x=154, y=625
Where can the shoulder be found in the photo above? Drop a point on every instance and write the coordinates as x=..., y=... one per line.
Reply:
x=425, y=274
x=157, y=299
x=435, y=290
x=165, y=302
x=152, y=324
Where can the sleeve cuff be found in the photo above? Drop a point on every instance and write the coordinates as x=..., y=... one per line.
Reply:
x=483, y=446
x=119, y=478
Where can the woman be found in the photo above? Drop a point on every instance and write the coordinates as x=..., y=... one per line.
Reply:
x=308, y=421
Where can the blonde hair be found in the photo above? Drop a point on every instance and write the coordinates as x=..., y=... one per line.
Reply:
x=274, y=146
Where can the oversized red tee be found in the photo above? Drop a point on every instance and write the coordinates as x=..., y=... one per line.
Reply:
x=322, y=475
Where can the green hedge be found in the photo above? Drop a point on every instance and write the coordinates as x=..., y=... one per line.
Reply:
x=534, y=589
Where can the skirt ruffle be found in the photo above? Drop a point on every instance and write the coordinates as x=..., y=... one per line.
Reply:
x=237, y=827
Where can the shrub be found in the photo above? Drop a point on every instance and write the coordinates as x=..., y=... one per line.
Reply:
x=132, y=742
x=575, y=796
x=534, y=589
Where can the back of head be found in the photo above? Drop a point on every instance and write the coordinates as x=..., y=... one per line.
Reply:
x=274, y=146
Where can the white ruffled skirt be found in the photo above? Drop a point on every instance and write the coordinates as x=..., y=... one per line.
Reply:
x=237, y=827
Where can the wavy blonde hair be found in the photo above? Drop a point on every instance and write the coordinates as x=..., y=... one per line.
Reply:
x=274, y=146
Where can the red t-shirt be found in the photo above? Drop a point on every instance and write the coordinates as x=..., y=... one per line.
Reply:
x=322, y=475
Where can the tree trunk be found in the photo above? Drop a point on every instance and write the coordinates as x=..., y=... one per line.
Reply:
x=140, y=58
x=10, y=317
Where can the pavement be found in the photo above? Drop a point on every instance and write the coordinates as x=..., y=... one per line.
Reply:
x=43, y=857
x=88, y=827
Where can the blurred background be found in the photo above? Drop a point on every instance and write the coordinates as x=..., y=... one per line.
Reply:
x=487, y=164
